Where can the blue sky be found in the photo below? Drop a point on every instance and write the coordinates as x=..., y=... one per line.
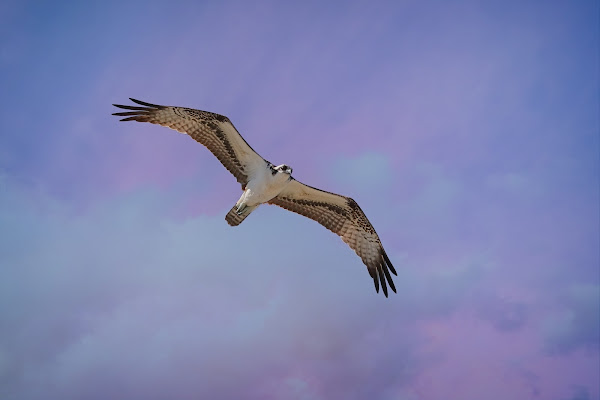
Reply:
x=468, y=133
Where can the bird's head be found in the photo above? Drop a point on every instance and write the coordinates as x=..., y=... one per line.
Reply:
x=286, y=169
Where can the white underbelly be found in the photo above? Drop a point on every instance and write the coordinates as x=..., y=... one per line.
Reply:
x=258, y=192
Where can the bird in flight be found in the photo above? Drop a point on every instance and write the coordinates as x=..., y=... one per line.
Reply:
x=263, y=182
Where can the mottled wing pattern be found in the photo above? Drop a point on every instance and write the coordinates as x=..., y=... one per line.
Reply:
x=343, y=216
x=214, y=131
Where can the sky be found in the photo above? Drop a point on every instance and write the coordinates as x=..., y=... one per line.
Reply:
x=468, y=132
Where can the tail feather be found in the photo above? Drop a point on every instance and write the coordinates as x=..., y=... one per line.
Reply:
x=234, y=219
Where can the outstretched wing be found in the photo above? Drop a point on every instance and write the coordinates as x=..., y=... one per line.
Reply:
x=342, y=216
x=214, y=131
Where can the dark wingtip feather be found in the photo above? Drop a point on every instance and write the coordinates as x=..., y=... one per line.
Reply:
x=134, y=118
x=373, y=274
x=388, y=262
x=389, y=278
x=143, y=103
x=382, y=280
x=136, y=108
x=392, y=286
x=123, y=114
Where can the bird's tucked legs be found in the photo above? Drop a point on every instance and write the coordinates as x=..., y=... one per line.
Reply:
x=241, y=208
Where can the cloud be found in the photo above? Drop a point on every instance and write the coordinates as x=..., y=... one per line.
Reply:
x=577, y=324
x=504, y=314
x=127, y=299
x=132, y=298
x=580, y=393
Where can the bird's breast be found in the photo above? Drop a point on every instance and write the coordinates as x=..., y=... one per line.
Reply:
x=263, y=188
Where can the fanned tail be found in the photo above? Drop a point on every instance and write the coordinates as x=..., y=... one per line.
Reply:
x=234, y=219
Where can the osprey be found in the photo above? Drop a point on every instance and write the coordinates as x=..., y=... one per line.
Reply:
x=263, y=182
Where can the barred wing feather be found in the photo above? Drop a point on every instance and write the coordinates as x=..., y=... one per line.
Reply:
x=344, y=217
x=214, y=131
